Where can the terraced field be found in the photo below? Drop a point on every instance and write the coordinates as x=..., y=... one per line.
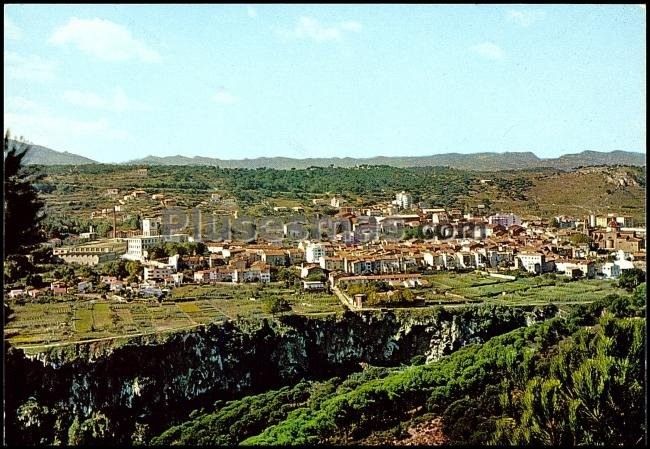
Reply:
x=39, y=324
x=474, y=287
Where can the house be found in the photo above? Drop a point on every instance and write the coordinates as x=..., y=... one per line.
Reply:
x=177, y=279
x=116, y=286
x=313, y=285
x=16, y=293
x=195, y=262
x=202, y=276
x=274, y=257
x=331, y=263
x=296, y=256
x=90, y=254
x=337, y=202
x=216, y=260
x=34, y=293
x=433, y=259
x=399, y=277
x=403, y=200
x=153, y=272
x=312, y=270
x=505, y=220
x=532, y=262
x=138, y=194
x=58, y=288
x=149, y=290
x=313, y=252
x=258, y=272
x=623, y=260
x=138, y=247
x=84, y=286
x=585, y=268
x=610, y=270
x=465, y=260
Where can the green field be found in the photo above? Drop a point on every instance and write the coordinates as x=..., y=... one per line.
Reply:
x=192, y=305
x=38, y=324
x=476, y=287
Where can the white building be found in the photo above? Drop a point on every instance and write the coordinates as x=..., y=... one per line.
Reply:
x=157, y=272
x=150, y=227
x=610, y=270
x=624, y=260
x=505, y=220
x=313, y=252
x=137, y=247
x=403, y=200
x=569, y=267
x=531, y=262
x=337, y=202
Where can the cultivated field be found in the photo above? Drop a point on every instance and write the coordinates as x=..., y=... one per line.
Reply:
x=38, y=324
x=474, y=287
x=35, y=324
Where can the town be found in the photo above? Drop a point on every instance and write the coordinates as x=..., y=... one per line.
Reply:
x=394, y=243
x=325, y=225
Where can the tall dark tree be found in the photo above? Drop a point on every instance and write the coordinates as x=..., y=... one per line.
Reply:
x=23, y=209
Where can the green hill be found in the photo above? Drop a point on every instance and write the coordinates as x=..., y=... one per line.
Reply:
x=475, y=161
x=39, y=155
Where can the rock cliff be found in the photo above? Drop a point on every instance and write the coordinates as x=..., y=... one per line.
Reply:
x=122, y=392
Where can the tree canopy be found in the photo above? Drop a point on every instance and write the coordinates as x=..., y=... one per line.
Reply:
x=23, y=209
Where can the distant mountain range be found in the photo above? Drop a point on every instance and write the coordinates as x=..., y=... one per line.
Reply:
x=39, y=155
x=476, y=161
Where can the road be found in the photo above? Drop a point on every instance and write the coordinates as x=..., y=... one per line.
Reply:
x=344, y=299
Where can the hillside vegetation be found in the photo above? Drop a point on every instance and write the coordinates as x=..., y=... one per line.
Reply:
x=576, y=193
x=71, y=192
x=566, y=381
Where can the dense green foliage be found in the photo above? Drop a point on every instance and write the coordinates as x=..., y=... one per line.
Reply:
x=380, y=293
x=578, y=379
x=514, y=188
x=630, y=279
x=276, y=304
x=437, y=185
x=22, y=206
x=231, y=423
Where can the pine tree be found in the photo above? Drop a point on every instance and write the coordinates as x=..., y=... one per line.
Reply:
x=23, y=209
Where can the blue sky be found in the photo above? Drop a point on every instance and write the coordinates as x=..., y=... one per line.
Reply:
x=115, y=83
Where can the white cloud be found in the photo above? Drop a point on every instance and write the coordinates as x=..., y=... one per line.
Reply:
x=310, y=28
x=28, y=67
x=42, y=126
x=224, y=97
x=103, y=39
x=488, y=50
x=23, y=104
x=117, y=102
x=251, y=11
x=524, y=18
x=12, y=31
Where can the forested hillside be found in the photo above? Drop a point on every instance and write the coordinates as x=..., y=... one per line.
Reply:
x=71, y=192
x=572, y=380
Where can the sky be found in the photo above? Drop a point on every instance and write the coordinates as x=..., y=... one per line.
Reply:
x=116, y=82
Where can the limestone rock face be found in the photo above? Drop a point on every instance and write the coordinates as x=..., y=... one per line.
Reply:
x=121, y=393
